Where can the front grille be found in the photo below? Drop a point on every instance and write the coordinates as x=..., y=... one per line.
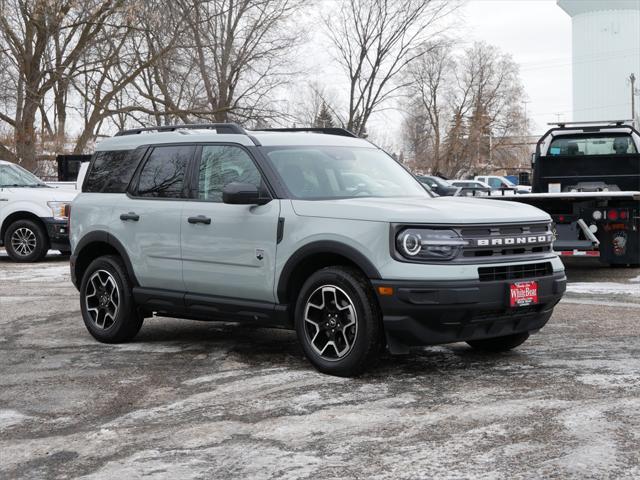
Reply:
x=506, y=240
x=515, y=272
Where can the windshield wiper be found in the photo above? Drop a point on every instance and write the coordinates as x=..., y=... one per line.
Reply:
x=12, y=185
x=43, y=185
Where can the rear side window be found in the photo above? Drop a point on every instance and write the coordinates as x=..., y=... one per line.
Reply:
x=163, y=174
x=111, y=172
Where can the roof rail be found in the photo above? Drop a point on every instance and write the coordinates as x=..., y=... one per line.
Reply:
x=618, y=123
x=343, y=132
x=233, y=128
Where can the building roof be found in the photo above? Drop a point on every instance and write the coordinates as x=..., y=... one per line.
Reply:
x=578, y=7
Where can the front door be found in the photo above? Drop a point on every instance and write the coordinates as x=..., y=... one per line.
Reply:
x=228, y=250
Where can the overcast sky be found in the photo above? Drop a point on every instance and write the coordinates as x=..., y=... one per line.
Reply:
x=537, y=33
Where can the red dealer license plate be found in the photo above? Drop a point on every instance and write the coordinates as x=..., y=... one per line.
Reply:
x=524, y=294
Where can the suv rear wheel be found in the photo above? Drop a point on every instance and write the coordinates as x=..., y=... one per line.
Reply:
x=26, y=241
x=338, y=322
x=106, y=302
x=500, y=344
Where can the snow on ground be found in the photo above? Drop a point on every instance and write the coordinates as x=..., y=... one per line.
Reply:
x=603, y=288
x=37, y=273
x=9, y=418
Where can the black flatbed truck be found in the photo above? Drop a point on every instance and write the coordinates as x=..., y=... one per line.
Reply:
x=587, y=177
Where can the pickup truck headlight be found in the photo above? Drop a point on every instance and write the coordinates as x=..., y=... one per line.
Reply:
x=424, y=244
x=59, y=210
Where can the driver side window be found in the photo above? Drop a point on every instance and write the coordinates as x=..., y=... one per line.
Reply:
x=221, y=165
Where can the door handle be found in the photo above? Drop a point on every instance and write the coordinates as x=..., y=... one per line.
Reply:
x=129, y=216
x=199, y=219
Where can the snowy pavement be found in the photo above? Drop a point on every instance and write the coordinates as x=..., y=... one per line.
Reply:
x=197, y=400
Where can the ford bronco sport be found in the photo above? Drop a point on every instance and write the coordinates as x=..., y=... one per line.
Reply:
x=320, y=232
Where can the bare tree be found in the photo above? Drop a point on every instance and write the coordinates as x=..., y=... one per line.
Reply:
x=430, y=76
x=465, y=111
x=374, y=41
x=105, y=82
x=26, y=32
x=231, y=57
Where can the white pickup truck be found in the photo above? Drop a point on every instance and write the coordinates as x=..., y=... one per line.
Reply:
x=33, y=215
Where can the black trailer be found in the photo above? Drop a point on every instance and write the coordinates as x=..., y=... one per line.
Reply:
x=587, y=177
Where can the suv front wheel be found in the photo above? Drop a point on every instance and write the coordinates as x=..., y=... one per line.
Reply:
x=106, y=302
x=337, y=321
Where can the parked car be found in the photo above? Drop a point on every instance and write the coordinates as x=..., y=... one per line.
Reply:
x=33, y=216
x=259, y=227
x=497, y=182
x=471, y=187
x=438, y=185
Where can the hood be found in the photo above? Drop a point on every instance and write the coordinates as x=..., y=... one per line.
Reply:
x=45, y=194
x=439, y=210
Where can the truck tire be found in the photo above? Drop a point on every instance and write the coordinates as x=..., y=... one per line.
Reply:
x=499, y=344
x=26, y=241
x=106, y=301
x=337, y=320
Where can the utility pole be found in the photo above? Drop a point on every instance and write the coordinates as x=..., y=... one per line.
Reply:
x=633, y=99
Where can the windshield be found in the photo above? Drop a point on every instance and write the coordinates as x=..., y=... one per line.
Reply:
x=596, y=145
x=342, y=172
x=16, y=176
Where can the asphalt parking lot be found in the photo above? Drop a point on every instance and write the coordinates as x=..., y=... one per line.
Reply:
x=197, y=400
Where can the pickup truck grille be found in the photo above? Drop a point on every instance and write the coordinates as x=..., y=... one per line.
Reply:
x=515, y=272
x=506, y=240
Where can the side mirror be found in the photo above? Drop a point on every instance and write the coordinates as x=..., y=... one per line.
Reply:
x=243, y=194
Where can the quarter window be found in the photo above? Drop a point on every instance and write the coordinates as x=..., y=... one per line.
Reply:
x=222, y=165
x=163, y=173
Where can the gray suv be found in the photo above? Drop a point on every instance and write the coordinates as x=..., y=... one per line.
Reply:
x=320, y=232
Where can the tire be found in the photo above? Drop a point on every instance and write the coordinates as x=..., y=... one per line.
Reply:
x=499, y=344
x=26, y=241
x=110, y=317
x=354, y=344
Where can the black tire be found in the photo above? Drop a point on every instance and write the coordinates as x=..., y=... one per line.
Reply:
x=500, y=344
x=357, y=321
x=26, y=241
x=104, y=322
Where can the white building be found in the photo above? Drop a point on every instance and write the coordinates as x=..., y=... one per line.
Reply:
x=606, y=52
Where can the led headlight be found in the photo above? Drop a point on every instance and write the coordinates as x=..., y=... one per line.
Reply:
x=58, y=210
x=429, y=244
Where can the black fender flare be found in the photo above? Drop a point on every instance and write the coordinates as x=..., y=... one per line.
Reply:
x=319, y=247
x=100, y=236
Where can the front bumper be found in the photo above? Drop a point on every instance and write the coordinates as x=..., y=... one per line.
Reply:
x=430, y=313
x=58, y=232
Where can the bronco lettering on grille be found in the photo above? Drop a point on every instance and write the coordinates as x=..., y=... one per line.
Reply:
x=520, y=240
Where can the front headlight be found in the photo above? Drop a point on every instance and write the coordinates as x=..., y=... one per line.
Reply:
x=424, y=244
x=58, y=210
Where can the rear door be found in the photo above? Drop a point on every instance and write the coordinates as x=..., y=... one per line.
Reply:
x=147, y=219
x=228, y=250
